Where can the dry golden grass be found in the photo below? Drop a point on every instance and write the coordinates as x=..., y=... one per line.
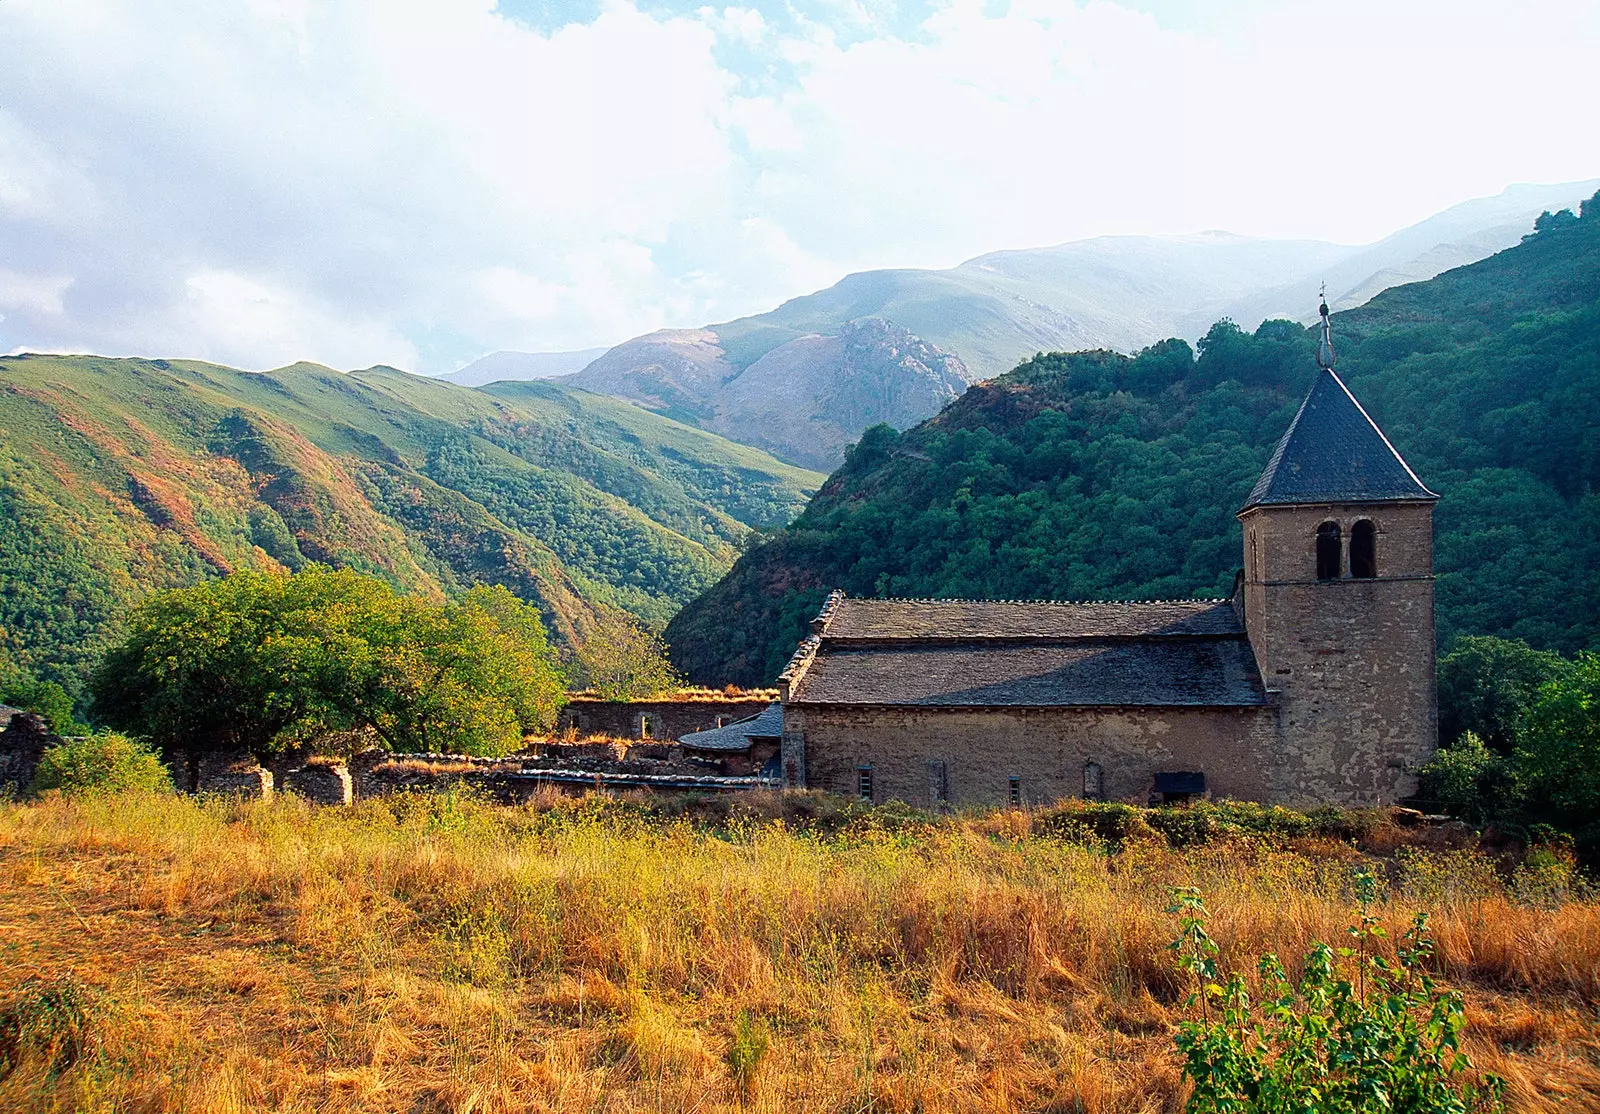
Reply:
x=438, y=954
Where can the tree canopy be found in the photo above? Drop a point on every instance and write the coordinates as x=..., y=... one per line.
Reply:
x=260, y=661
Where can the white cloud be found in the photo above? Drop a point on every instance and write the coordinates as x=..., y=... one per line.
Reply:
x=367, y=181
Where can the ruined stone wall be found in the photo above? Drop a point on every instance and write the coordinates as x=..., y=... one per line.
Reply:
x=973, y=754
x=672, y=719
x=22, y=744
x=1350, y=661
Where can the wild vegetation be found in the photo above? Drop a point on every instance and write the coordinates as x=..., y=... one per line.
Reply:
x=1101, y=476
x=1520, y=732
x=430, y=953
x=119, y=477
x=261, y=661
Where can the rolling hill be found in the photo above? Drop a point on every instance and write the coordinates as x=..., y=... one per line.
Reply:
x=120, y=476
x=1099, y=475
x=985, y=315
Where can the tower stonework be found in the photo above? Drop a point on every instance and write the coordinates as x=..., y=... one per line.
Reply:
x=1338, y=604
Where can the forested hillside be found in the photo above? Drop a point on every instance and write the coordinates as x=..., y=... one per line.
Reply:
x=121, y=476
x=1095, y=475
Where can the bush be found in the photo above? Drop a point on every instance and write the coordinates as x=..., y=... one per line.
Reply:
x=45, y=699
x=1356, y=1033
x=54, y=1023
x=103, y=763
x=1094, y=822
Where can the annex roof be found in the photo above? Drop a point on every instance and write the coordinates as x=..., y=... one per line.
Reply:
x=1334, y=453
x=980, y=653
x=736, y=736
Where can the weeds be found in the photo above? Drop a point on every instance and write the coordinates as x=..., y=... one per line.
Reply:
x=442, y=953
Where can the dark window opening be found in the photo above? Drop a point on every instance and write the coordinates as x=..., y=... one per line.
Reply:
x=723, y=721
x=1015, y=786
x=938, y=782
x=647, y=725
x=1364, y=550
x=1328, y=542
x=1093, y=782
x=864, y=782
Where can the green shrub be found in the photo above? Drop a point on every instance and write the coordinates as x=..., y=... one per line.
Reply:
x=746, y=1049
x=102, y=763
x=1094, y=822
x=1355, y=1034
x=54, y=1022
x=45, y=699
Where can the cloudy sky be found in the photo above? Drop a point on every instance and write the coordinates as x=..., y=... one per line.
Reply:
x=418, y=182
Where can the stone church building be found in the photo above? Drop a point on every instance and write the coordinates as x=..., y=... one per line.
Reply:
x=1314, y=683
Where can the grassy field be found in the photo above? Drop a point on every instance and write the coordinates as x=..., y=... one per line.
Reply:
x=429, y=954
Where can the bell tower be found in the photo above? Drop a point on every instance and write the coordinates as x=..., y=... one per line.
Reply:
x=1338, y=602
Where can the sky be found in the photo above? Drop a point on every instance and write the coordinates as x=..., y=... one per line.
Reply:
x=419, y=183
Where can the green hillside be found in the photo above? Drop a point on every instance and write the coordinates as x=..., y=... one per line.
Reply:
x=1095, y=475
x=121, y=476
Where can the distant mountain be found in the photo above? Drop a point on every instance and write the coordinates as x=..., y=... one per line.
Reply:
x=804, y=399
x=989, y=313
x=120, y=476
x=499, y=366
x=1098, y=475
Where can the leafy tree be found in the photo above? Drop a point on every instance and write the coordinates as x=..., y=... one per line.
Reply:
x=44, y=698
x=471, y=677
x=1470, y=781
x=621, y=660
x=258, y=661
x=1558, y=752
x=101, y=763
x=1485, y=686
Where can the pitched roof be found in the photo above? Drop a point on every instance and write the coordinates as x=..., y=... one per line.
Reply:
x=736, y=736
x=1116, y=672
x=981, y=653
x=901, y=619
x=1334, y=453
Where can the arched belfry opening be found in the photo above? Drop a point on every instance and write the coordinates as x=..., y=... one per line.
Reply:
x=1328, y=543
x=1364, y=550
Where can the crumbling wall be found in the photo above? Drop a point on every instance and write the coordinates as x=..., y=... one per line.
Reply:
x=22, y=744
x=237, y=773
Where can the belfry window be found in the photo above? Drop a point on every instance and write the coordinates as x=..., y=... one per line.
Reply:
x=1364, y=550
x=1328, y=544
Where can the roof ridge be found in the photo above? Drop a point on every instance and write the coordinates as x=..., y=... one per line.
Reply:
x=975, y=599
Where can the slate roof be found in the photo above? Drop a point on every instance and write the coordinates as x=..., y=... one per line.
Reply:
x=981, y=653
x=736, y=736
x=1334, y=453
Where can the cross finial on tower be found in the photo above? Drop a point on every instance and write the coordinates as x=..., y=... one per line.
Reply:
x=1325, y=355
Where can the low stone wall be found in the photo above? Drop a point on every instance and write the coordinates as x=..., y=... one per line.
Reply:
x=323, y=783
x=22, y=743
x=667, y=719
x=237, y=774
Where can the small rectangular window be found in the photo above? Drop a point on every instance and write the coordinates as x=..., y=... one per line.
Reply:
x=647, y=725
x=1015, y=789
x=723, y=721
x=864, y=782
x=938, y=782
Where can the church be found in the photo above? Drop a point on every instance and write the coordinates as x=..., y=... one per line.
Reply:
x=1313, y=684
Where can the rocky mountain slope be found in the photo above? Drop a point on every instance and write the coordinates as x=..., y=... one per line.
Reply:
x=119, y=476
x=1097, y=475
x=803, y=400
x=1117, y=292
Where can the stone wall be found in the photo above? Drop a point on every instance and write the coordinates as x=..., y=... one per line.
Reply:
x=323, y=783
x=972, y=755
x=237, y=774
x=21, y=744
x=1349, y=661
x=669, y=719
